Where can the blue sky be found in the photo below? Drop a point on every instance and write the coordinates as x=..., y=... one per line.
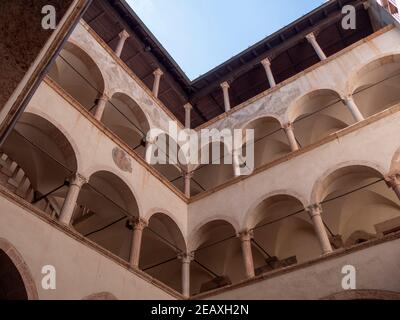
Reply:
x=201, y=34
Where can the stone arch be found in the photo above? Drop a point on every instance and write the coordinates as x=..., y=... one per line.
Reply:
x=317, y=114
x=100, y=296
x=22, y=267
x=162, y=242
x=41, y=158
x=374, y=86
x=104, y=208
x=79, y=75
x=356, y=73
x=127, y=120
x=299, y=106
x=195, y=237
x=246, y=223
x=318, y=189
x=365, y=294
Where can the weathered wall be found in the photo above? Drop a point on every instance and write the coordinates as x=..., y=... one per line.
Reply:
x=81, y=270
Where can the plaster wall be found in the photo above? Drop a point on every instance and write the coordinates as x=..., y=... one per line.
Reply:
x=80, y=269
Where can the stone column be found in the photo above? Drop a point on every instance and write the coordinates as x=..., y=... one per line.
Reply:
x=186, y=259
x=313, y=41
x=288, y=127
x=123, y=36
x=188, y=108
x=187, y=176
x=138, y=227
x=157, y=78
x=236, y=163
x=245, y=239
x=68, y=207
x=315, y=211
x=351, y=105
x=101, y=105
x=225, y=90
x=267, y=66
x=394, y=183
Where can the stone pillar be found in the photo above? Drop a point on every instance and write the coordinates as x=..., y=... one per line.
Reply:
x=288, y=127
x=188, y=108
x=186, y=259
x=187, y=176
x=267, y=66
x=315, y=211
x=123, y=36
x=225, y=90
x=245, y=239
x=101, y=105
x=236, y=163
x=68, y=207
x=351, y=105
x=394, y=183
x=313, y=41
x=138, y=226
x=157, y=78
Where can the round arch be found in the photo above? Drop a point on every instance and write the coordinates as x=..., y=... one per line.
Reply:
x=22, y=267
x=320, y=188
x=284, y=194
x=79, y=75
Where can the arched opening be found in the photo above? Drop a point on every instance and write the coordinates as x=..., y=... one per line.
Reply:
x=37, y=160
x=218, y=257
x=317, y=115
x=376, y=86
x=357, y=205
x=76, y=72
x=215, y=169
x=270, y=140
x=103, y=207
x=16, y=282
x=127, y=120
x=11, y=284
x=283, y=234
x=162, y=242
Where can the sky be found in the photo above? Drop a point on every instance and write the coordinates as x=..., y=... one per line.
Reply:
x=201, y=34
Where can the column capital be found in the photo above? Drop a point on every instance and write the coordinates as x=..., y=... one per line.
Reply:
x=311, y=37
x=78, y=180
x=136, y=223
x=103, y=97
x=186, y=257
x=158, y=72
x=188, y=106
x=288, y=126
x=225, y=85
x=314, y=209
x=188, y=174
x=394, y=180
x=246, y=235
x=266, y=62
x=124, y=34
x=150, y=140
